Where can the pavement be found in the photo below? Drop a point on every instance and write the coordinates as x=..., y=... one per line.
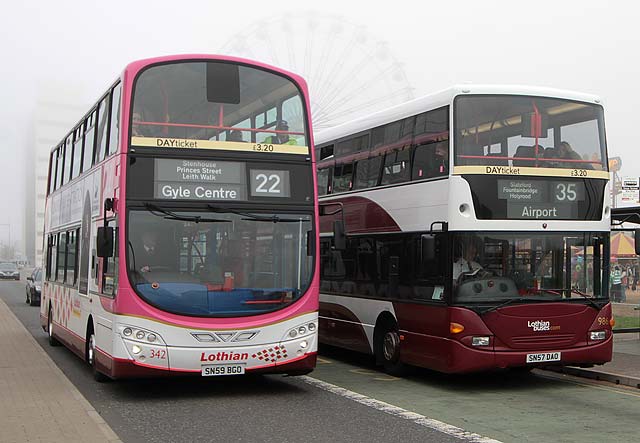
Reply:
x=624, y=367
x=37, y=401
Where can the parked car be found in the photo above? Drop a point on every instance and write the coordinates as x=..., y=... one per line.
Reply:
x=9, y=271
x=34, y=287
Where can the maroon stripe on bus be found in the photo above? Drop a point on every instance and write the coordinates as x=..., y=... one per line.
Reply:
x=360, y=215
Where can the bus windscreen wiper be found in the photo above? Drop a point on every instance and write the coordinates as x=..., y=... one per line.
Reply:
x=587, y=298
x=248, y=216
x=560, y=291
x=512, y=300
x=170, y=215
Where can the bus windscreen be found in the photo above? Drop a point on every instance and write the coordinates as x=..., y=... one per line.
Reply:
x=218, y=105
x=219, y=263
x=508, y=134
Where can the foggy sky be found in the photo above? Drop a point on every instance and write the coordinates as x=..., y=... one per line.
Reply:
x=587, y=46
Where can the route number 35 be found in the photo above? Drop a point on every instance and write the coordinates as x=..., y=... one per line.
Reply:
x=566, y=192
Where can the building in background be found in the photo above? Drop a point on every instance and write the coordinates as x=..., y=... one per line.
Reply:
x=57, y=109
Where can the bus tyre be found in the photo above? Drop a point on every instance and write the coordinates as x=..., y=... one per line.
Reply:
x=52, y=340
x=388, y=349
x=91, y=357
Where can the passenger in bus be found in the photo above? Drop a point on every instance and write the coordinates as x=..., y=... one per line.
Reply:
x=137, y=130
x=235, y=136
x=279, y=138
x=466, y=253
x=565, y=151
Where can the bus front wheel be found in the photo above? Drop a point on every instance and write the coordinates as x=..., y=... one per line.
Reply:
x=91, y=356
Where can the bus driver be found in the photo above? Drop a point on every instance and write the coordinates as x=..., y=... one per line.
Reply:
x=467, y=253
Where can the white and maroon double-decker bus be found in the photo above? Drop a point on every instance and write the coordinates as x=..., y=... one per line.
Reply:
x=476, y=231
x=181, y=223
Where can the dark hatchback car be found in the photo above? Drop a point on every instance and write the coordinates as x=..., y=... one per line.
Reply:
x=34, y=287
x=9, y=271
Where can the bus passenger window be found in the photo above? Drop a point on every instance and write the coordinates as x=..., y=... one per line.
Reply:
x=396, y=167
x=343, y=177
x=62, y=252
x=101, y=139
x=323, y=181
x=78, y=136
x=367, y=172
x=114, y=137
x=430, y=160
x=68, y=159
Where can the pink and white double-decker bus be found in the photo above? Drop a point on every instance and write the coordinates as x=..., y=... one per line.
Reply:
x=181, y=223
x=477, y=231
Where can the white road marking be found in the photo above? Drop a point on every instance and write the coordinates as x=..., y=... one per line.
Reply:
x=421, y=420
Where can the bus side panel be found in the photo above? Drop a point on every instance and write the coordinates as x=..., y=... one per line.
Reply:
x=425, y=328
x=61, y=307
x=340, y=327
x=360, y=313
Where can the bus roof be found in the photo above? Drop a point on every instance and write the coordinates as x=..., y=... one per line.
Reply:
x=439, y=99
x=136, y=65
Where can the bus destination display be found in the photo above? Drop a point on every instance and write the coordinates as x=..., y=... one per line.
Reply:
x=216, y=180
x=535, y=199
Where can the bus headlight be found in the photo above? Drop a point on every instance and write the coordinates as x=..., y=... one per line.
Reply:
x=480, y=341
x=142, y=335
x=598, y=335
x=302, y=330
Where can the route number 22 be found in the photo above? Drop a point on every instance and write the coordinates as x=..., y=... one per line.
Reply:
x=268, y=184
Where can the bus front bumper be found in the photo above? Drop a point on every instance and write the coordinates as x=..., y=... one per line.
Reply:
x=464, y=359
x=293, y=357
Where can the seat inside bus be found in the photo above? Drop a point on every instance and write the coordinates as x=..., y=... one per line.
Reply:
x=527, y=152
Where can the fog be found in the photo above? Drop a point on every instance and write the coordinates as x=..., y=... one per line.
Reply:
x=69, y=51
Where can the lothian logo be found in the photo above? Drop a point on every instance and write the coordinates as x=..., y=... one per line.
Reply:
x=539, y=325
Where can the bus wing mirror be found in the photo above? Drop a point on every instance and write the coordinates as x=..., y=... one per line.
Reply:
x=339, y=236
x=311, y=243
x=104, y=242
x=637, y=240
x=428, y=248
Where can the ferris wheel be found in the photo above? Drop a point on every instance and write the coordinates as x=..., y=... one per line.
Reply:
x=349, y=73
